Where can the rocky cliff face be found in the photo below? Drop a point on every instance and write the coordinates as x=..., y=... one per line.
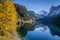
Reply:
x=54, y=10
x=22, y=12
x=54, y=14
x=32, y=14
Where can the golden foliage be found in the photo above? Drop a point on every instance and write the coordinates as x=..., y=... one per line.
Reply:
x=8, y=16
x=8, y=19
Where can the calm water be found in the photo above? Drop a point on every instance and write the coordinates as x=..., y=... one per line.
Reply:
x=41, y=31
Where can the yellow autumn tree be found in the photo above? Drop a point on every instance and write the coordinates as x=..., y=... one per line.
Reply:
x=8, y=16
x=8, y=19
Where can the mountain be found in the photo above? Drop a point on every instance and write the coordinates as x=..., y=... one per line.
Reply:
x=32, y=14
x=54, y=11
x=39, y=15
x=22, y=12
x=43, y=13
x=24, y=16
x=54, y=14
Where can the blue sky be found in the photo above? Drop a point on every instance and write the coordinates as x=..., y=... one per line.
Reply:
x=38, y=5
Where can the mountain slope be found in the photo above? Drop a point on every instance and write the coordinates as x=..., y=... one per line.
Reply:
x=22, y=12
x=54, y=13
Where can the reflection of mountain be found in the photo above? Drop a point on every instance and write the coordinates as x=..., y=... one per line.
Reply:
x=55, y=29
x=22, y=31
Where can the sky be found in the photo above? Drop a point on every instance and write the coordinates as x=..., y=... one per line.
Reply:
x=38, y=5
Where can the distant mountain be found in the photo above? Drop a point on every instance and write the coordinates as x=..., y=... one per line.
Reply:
x=54, y=11
x=54, y=14
x=43, y=13
x=39, y=15
x=32, y=14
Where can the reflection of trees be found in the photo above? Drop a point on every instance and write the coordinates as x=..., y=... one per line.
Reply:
x=22, y=31
x=55, y=29
x=32, y=27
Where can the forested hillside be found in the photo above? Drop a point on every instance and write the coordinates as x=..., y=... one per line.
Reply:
x=22, y=12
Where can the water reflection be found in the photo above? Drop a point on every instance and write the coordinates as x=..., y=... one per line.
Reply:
x=41, y=31
x=55, y=29
x=22, y=31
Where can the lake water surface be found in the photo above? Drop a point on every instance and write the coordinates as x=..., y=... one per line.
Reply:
x=42, y=31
